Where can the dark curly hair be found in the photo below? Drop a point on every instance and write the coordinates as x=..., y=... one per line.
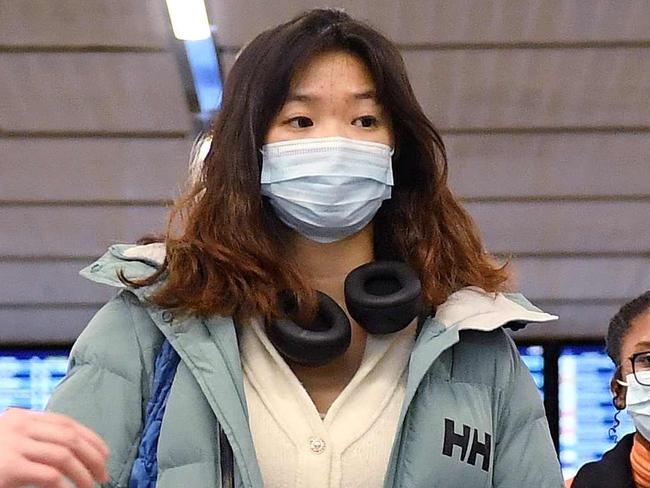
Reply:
x=620, y=324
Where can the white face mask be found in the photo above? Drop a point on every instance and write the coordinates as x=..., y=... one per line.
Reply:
x=326, y=188
x=637, y=401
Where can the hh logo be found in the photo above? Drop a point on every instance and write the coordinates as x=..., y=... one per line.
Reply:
x=469, y=444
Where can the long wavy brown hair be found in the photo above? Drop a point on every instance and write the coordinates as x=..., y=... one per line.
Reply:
x=227, y=252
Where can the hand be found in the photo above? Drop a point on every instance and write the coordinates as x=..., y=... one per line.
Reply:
x=43, y=449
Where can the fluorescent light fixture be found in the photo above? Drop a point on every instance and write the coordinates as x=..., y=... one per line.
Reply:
x=189, y=19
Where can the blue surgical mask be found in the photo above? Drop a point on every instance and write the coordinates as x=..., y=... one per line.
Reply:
x=326, y=188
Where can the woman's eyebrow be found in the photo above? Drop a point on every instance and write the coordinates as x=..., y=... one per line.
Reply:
x=365, y=95
x=642, y=346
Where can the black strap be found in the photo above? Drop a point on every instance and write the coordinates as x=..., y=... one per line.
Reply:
x=226, y=456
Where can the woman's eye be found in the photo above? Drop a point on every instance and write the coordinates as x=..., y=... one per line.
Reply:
x=301, y=122
x=365, y=121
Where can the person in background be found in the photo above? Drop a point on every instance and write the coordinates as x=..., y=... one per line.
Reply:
x=627, y=465
x=322, y=313
x=43, y=449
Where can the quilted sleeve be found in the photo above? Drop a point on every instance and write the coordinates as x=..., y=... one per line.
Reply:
x=107, y=382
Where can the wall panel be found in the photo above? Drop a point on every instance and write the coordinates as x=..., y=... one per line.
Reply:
x=70, y=23
x=92, y=169
x=49, y=283
x=118, y=92
x=526, y=88
x=564, y=226
x=74, y=231
x=461, y=21
x=582, y=278
x=529, y=165
x=43, y=325
x=577, y=321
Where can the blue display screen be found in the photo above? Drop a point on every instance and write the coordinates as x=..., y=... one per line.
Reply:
x=28, y=376
x=585, y=404
x=533, y=357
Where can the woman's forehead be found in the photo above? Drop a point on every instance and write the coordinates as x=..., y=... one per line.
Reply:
x=638, y=335
x=338, y=70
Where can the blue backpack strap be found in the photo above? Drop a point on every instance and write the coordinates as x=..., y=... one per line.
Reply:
x=145, y=468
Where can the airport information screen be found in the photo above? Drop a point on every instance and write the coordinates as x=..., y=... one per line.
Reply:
x=28, y=376
x=585, y=403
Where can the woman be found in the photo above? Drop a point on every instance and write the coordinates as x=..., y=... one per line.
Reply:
x=628, y=345
x=230, y=357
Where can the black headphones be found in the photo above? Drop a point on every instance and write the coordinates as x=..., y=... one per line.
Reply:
x=382, y=296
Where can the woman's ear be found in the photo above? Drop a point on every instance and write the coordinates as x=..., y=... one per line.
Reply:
x=618, y=390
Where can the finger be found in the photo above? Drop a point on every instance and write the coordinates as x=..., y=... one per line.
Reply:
x=62, y=459
x=92, y=459
x=63, y=421
x=88, y=434
x=36, y=474
x=17, y=414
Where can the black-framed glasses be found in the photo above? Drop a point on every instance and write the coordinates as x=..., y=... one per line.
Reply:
x=641, y=367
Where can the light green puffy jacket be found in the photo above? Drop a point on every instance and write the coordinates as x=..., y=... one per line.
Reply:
x=471, y=418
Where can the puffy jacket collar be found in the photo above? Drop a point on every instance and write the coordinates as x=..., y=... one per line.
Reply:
x=136, y=262
x=468, y=308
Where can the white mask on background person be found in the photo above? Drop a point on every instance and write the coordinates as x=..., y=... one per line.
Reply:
x=637, y=401
x=326, y=188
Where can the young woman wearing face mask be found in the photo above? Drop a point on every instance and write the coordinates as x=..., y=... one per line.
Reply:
x=627, y=465
x=323, y=313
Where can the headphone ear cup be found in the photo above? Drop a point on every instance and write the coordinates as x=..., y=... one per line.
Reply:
x=328, y=338
x=383, y=296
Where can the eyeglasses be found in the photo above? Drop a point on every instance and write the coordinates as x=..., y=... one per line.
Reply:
x=640, y=364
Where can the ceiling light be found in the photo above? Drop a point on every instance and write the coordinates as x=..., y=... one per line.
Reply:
x=189, y=19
